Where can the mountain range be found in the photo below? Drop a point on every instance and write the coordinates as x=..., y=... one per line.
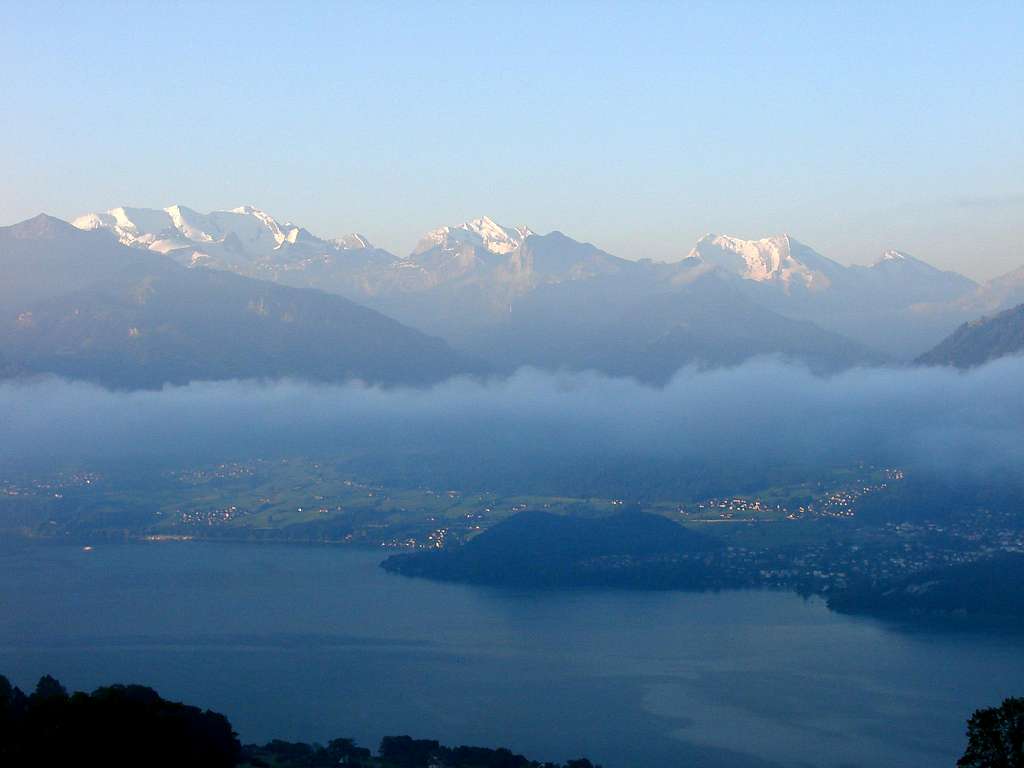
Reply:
x=500, y=297
x=82, y=305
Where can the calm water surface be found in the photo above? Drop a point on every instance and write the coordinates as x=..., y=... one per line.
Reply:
x=309, y=643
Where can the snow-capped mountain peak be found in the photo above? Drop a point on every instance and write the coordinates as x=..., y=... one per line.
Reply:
x=280, y=232
x=892, y=260
x=483, y=232
x=352, y=241
x=132, y=226
x=893, y=255
x=896, y=273
x=497, y=238
x=94, y=221
x=779, y=258
x=245, y=239
x=250, y=210
x=762, y=259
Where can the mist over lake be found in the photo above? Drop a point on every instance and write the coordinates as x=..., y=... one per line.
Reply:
x=764, y=414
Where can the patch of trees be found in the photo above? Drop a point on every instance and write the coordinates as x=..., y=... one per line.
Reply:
x=118, y=725
x=394, y=752
x=406, y=752
x=995, y=737
x=131, y=725
x=286, y=754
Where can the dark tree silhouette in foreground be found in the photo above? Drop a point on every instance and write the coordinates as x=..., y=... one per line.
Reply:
x=130, y=726
x=118, y=725
x=995, y=737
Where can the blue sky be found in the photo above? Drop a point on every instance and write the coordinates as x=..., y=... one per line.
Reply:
x=854, y=127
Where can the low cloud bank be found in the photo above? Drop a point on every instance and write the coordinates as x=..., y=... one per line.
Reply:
x=756, y=416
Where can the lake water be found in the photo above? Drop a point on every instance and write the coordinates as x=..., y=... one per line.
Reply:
x=308, y=643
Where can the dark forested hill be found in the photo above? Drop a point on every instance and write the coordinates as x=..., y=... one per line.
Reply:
x=980, y=341
x=540, y=549
x=989, y=589
x=125, y=726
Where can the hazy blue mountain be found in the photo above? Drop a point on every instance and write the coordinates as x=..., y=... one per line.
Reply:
x=467, y=285
x=553, y=302
x=44, y=257
x=82, y=305
x=898, y=305
x=652, y=320
x=471, y=292
x=899, y=280
x=979, y=341
x=999, y=293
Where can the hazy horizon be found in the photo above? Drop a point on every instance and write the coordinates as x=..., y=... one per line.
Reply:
x=682, y=252
x=855, y=130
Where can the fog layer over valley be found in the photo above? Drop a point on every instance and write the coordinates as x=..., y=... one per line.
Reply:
x=536, y=431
